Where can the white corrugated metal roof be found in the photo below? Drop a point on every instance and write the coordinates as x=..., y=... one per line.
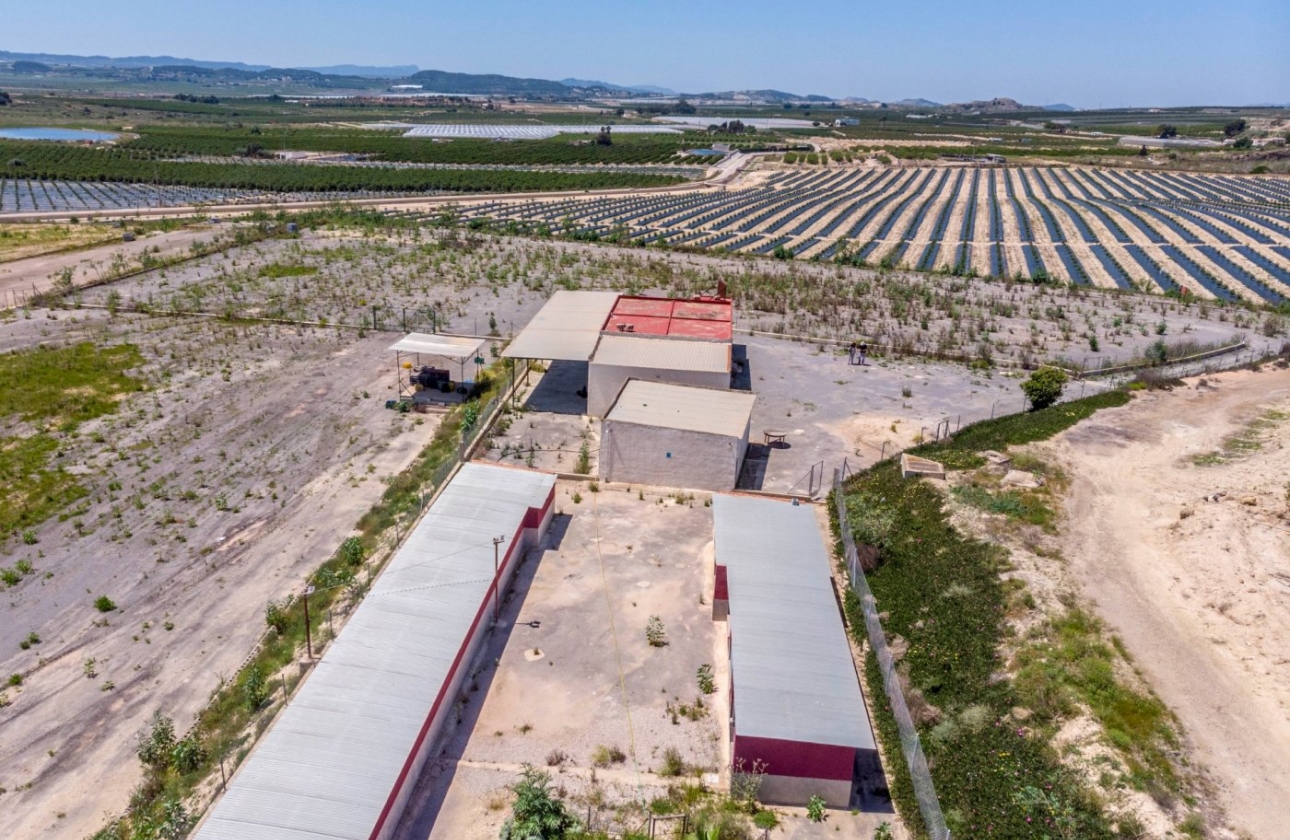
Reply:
x=565, y=329
x=329, y=763
x=791, y=666
x=451, y=346
x=683, y=407
x=662, y=353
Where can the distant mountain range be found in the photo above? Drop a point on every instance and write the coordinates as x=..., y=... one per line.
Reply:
x=396, y=71
x=391, y=72
x=144, y=68
x=591, y=84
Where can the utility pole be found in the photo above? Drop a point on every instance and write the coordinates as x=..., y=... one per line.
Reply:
x=497, y=541
x=309, y=641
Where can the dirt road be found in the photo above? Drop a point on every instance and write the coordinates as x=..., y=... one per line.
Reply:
x=35, y=274
x=1198, y=591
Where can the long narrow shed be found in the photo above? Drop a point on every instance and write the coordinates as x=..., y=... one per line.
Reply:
x=342, y=758
x=796, y=706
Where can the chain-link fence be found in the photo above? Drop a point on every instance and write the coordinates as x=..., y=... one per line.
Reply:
x=924, y=791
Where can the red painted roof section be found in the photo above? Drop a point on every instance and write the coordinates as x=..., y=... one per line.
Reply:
x=709, y=319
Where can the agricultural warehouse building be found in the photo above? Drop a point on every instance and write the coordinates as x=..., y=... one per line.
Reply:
x=675, y=436
x=622, y=357
x=796, y=705
x=685, y=342
x=342, y=758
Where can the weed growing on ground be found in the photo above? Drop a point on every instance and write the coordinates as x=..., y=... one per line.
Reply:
x=655, y=633
x=603, y=756
x=707, y=684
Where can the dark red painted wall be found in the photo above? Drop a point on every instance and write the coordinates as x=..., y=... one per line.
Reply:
x=795, y=758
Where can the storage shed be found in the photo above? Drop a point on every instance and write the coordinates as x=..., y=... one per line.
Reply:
x=796, y=707
x=675, y=436
x=341, y=760
x=680, y=362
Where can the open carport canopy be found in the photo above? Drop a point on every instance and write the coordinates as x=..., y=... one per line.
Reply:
x=448, y=346
x=565, y=329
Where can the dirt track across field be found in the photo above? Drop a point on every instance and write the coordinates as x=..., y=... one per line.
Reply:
x=1199, y=591
x=37, y=274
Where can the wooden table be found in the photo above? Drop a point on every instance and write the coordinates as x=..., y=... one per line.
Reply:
x=774, y=437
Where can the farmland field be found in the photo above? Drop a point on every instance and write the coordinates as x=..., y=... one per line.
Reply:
x=1212, y=236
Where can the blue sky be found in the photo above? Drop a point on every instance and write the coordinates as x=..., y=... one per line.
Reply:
x=1091, y=53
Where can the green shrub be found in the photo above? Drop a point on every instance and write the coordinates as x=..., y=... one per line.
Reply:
x=707, y=684
x=187, y=755
x=277, y=615
x=156, y=745
x=352, y=551
x=673, y=764
x=1044, y=387
x=537, y=813
x=254, y=688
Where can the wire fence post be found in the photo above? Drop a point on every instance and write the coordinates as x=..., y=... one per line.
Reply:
x=929, y=806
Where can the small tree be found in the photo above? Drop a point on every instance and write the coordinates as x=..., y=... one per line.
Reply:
x=156, y=745
x=537, y=813
x=1044, y=387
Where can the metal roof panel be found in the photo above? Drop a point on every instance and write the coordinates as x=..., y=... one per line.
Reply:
x=327, y=766
x=708, y=410
x=791, y=666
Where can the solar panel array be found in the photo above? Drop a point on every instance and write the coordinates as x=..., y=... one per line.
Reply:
x=1214, y=236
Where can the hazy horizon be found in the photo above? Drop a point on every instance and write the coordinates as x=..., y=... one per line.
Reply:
x=1099, y=55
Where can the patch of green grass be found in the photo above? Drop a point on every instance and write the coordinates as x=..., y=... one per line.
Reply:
x=44, y=392
x=1067, y=662
x=1247, y=440
x=1015, y=504
x=277, y=270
